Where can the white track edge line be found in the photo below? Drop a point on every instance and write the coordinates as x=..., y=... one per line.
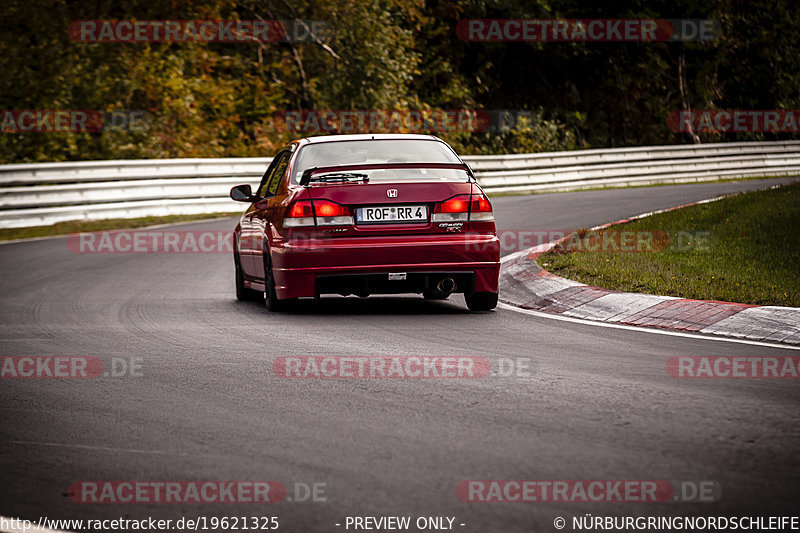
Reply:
x=673, y=333
x=656, y=331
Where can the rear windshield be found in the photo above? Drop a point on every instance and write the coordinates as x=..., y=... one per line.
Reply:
x=379, y=151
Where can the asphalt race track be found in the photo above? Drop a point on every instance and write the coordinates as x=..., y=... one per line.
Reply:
x=596, y=403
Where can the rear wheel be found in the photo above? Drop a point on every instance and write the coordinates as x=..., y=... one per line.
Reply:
x=243, y=294
x=481, y=301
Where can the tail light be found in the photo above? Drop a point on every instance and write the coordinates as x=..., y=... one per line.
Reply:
x=303, y=213
x=481, y=209
x=455, y=209
x=299, y=214
x=463, y=208
x=332, y=214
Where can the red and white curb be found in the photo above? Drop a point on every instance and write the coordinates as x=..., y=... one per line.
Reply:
x=526, y=285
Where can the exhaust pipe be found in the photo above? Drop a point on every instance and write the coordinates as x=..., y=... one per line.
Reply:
x=446, y=286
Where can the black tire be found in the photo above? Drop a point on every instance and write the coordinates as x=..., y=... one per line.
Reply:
x=430, y=294
x=481, y=301
x=243, y=294
x=270, y=296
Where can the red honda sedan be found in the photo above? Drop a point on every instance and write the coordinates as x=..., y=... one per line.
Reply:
x=366, y=214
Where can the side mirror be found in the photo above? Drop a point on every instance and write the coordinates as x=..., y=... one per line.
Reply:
x=243, y=193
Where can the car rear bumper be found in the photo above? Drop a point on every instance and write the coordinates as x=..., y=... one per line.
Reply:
x=308, y=267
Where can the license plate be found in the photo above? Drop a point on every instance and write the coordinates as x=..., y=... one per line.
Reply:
x=396, y=214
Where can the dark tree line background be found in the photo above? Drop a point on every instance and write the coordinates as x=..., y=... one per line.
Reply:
x=216, y=99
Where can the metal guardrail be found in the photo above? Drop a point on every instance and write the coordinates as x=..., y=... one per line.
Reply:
x=45, y=193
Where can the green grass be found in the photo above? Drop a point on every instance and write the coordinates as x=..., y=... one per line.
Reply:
x=750, y=253
x=76, y=226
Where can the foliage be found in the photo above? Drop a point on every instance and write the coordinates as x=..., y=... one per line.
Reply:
x=222, y=99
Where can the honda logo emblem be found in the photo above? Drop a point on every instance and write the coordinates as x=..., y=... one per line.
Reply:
x=391, y=193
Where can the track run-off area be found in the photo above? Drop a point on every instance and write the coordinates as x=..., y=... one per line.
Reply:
x=577, y=402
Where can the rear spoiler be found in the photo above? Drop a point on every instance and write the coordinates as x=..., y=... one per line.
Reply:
x=306, y=177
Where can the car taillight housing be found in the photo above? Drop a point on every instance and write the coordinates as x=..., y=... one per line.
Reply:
x=455, y=209
x=304, y=213
x=332, y=214
x=481, y=209
x=299, y=214
x=463, y=208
